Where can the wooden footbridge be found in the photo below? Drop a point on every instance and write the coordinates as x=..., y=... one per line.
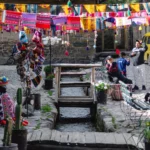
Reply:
x=76, y=101
x=45, y=136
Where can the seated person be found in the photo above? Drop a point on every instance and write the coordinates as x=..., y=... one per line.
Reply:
x=113, y=71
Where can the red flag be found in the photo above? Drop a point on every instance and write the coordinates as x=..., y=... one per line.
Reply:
x=117, y=51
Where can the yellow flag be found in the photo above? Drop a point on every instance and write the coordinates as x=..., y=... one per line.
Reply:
x=2, y=6
x=90, y=8
x=101, y=7
x=88, y=23
x=45, y=6
x=65, y=9
x=135, y=7
x=20, y=7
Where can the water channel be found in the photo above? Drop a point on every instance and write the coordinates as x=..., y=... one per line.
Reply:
x=74, y=119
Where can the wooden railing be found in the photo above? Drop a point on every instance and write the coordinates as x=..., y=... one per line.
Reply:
x=58, y=73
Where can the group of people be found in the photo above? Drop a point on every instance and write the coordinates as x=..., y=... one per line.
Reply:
x=118, y=69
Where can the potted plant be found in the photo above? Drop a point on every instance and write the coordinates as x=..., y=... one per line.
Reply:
x=101, y=91
x=19, y=133
x=49, y=81
x=48, y=70
x=7, y=145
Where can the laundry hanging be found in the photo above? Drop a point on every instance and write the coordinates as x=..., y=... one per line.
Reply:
x=73, y=23
x=43, y=20
x=11, y=17
x=29, y=20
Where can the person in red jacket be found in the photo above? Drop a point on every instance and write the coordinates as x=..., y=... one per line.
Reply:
x=113, y=71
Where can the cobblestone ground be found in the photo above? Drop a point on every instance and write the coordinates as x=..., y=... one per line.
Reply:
x=39, y=120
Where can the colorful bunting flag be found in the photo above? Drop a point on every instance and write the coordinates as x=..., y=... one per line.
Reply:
x=78, y=9
x=32, y=8
x=20, y=7
x=2, y=6
x=55, y=9
x=65, y=9
x=73, y=23
x=135, y=7
x=101, y=7
x=43, y=20
x=147, y=7
x=88, y=24
x=11, y=17
x=43, y=8
x=29, y=20
x=90, y=8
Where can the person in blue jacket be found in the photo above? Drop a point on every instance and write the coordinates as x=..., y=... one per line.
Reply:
x=122, y=63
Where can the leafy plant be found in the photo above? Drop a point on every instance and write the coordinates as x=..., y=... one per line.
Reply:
x=46, y=108
x=50, y=76
x=50, y=93
x=38, y=125
x=48, y=69
x=147, y=131
x=101, y=86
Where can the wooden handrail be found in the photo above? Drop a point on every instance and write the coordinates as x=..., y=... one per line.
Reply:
x=77, y=65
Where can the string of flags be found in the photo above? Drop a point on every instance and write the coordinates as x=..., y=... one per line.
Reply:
x=73, y=17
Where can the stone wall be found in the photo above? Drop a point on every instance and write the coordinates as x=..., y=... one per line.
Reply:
x=77, y=49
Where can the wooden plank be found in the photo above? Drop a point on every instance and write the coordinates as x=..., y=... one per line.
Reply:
x=59, y=77
x=82, y=100
x=46, y=135
x=56, y=85
x=78, y=65
x=90, y=138
x=73, y=73
x=75, y=84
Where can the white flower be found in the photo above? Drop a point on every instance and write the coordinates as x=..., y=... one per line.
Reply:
x=96, y=84
x=100, y=82
x=105, y=87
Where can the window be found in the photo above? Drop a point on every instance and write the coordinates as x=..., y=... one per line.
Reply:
x=148, y=40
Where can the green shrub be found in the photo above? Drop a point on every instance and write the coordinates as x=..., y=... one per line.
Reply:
x=50, y=76
x=48, y=69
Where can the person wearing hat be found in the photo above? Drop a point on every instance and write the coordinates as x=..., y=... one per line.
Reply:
x=113, y=71
x=7, y=107
x=137, y=56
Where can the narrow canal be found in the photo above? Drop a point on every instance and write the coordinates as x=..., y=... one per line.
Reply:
x=74, y=119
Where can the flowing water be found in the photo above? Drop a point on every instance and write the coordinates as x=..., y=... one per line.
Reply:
x=74, y=119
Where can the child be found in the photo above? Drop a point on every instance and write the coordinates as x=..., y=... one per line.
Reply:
x=122, y=63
